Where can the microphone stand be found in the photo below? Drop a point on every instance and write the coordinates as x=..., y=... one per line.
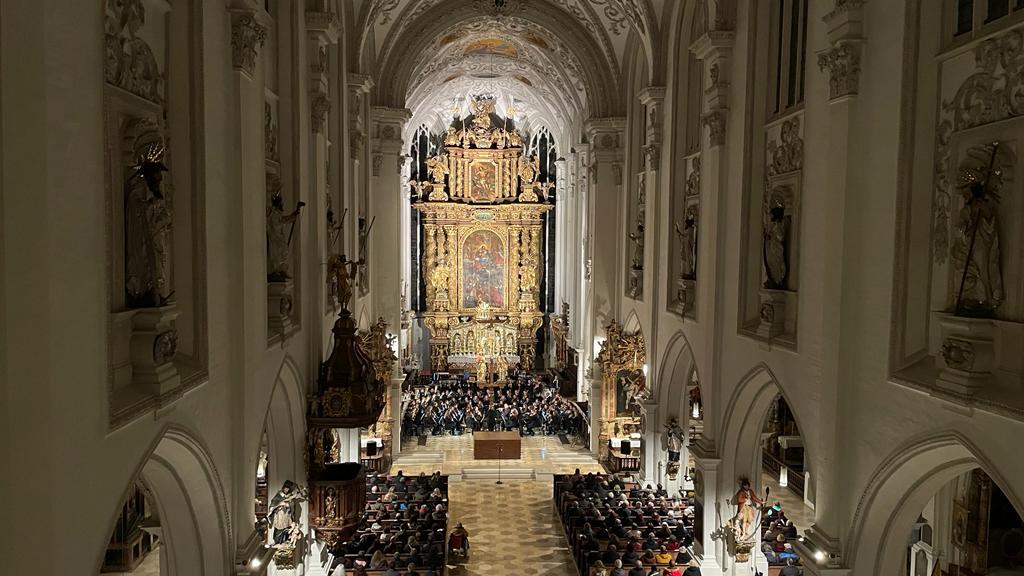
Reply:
x=499, y=464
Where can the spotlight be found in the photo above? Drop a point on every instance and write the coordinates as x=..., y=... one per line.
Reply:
x=256, y=563
x=819, y=556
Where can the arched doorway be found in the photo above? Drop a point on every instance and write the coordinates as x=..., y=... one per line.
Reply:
x=177, y=504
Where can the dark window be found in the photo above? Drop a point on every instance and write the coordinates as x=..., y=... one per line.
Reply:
x=997, y=9
x=964, y=16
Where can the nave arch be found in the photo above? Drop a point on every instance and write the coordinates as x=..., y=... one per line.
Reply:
x=903, y=484
x=743, y=420
x=191, y=505
x=677, y=369
x=285, y=426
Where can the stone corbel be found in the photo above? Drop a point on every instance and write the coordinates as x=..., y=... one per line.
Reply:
x=842, y=59
x=653, y=99
x=324, y=24
x=714, y=48
x=716, y=121
x=248, y=34
x=319, y=108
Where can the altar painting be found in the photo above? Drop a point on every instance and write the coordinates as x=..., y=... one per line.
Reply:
x=483, y=270
x=483, y=181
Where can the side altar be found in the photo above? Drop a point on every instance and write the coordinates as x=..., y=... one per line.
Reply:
x=482, y=214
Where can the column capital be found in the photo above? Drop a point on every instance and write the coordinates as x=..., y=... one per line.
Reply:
x=323, y=24
x=386, y=128
x=248, y=33
x=359, y=83
x=842, y=58
x=605, y=136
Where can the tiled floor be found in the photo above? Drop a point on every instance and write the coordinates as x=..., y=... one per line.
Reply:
x=793, y=505
x=453, y=454
x=513, y=529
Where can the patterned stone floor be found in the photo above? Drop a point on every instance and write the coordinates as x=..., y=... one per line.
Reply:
x=453, y=454
x=794, y=507
x=513, y=529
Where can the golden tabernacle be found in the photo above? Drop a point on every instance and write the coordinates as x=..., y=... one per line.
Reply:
x=482, y=217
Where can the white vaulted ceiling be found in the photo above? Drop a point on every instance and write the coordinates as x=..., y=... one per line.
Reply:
x=557, y=62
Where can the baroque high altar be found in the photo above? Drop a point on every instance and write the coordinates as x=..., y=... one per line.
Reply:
x=482, y=214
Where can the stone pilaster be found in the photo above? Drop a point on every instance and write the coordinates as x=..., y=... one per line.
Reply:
x=841, y=60
x=705, y=485
x=603, y=168
x=387, y=202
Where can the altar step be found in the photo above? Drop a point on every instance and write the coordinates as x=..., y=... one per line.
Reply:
x=489, y=473
x=571, y=457
x=419, y=458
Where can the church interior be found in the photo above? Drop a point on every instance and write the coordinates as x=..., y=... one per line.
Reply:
x=512, y=287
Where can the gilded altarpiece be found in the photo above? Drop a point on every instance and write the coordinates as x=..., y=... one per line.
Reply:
x=482, y=259
x=623, y=385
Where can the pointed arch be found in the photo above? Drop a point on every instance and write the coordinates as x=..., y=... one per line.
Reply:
x=745, y=415
x=673, y=377
x=285, y=424
x=189, y=497
x=901, y=487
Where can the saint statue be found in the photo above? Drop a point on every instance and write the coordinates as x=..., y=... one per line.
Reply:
x=280, y=227
x=637, y=237
x=481, y=370
x=344, y=273
x=748, y=509
x=439, y=277
x=776, y=232
x=148, y=224
x=674, y=438
x=528, y=170
x=687, y=234
x=284, y=514
x=528, y=274
x=438, y=168
x=975, y=253
x=502, y=368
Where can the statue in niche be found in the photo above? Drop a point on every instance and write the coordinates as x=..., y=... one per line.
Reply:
x=975, y=254
x=439, y=278
x=148, y=225
x=528, y=274
x=776, y=245
x=687, y=234
x=344, y=272
x=637, y=236
x=280, y=229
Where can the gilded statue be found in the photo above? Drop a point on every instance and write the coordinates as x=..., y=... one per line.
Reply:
x=776, y=244
x=528, y=274
x=452, y=137
x=438, y=168
x=344, y=272
x=502, y=368
x=528, y=170
x=482, y=107
x=148, y=224
x=439, y=277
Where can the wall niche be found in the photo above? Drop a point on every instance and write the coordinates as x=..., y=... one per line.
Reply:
x=958, y=310
x=156, y=268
